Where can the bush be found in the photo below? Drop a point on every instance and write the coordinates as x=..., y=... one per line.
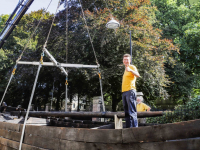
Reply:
x=190, y=111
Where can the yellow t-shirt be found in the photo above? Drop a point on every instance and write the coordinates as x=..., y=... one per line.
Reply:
x=142, y=107
x=128, y=81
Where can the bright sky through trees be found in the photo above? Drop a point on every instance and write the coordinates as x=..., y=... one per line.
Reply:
x=7, y=6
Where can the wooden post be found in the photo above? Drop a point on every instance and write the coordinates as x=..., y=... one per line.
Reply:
x=118, y=122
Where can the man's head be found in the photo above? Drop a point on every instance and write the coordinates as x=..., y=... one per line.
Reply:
x=139, y=99
x=127, y=59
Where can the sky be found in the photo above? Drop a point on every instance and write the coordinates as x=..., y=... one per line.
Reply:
x=7, y=6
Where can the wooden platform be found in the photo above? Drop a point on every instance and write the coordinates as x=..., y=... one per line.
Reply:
x=177, y=136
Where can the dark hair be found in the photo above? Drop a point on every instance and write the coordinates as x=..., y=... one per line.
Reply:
x=127, y=55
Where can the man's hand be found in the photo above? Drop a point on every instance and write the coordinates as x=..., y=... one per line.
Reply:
x=128, y=69
x=133, y=72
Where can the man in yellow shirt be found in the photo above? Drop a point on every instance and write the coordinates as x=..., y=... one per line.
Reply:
x=129, y=92
x=142, y=107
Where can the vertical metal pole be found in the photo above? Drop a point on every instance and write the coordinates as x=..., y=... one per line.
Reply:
x=6, y=89
x=29, y=106
x=66, y=99
x=130, y=47
x=102, y=95
x=66, y=2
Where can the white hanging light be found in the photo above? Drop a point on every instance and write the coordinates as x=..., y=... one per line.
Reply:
x=112, y=24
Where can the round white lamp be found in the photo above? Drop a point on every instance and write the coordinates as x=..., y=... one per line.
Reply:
x=112, y=24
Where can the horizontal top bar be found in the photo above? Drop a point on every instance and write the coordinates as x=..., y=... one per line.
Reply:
x=60, y=64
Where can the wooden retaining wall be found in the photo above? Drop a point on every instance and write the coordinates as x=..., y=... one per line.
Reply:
x=178, y=136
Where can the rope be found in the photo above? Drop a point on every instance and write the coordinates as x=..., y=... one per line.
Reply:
x=100, y=80
x=101, y=88
x=89, y=34
x=33, y=33
x=12, y=74
x=52, y=24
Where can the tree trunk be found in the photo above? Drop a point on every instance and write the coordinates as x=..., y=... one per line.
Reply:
x=78, y=103
x=114, y=103
x=58, y=98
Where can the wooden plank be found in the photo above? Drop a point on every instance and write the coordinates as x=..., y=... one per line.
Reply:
x=190, y=144
x=118, y=122
x=181, y=130
x=109, y=126
x=44, y=131
x=15, y=145
x=72, y=145
x=4, y=147
x=76, y=134
x=12, y=135
x=90, y=135
x=39, y=141
x=10, y=126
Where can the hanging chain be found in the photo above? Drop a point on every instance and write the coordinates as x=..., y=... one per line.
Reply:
x=89, y=34
x=19, y=58
x=52, y=24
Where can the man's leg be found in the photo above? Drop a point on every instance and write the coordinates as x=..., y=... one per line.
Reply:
x=131, y=102
x=127, y=118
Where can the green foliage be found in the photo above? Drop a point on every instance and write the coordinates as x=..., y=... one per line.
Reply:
x=149, y=50
x=3, y=19
x=179, y=21
x=153, y=53
x=190, y=111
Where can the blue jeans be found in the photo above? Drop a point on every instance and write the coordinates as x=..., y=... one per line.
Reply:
x=129, y=103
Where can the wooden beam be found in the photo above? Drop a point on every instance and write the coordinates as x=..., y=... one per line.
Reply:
x=163, y=132
x=87, y=114
x=13, y=145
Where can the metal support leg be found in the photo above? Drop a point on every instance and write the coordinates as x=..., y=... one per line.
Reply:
x=6, y=89
x=29, y=106
x=66, y=99
x=102, y=95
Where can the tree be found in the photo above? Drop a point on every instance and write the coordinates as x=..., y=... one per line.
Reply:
x=179, y=21
x=150, y=50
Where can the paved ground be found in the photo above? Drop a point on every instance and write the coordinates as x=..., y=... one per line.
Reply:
x=5, y=117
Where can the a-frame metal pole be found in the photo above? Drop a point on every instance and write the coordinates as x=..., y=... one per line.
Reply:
x=66, y=98
x=29, y=106
x=66, y=85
